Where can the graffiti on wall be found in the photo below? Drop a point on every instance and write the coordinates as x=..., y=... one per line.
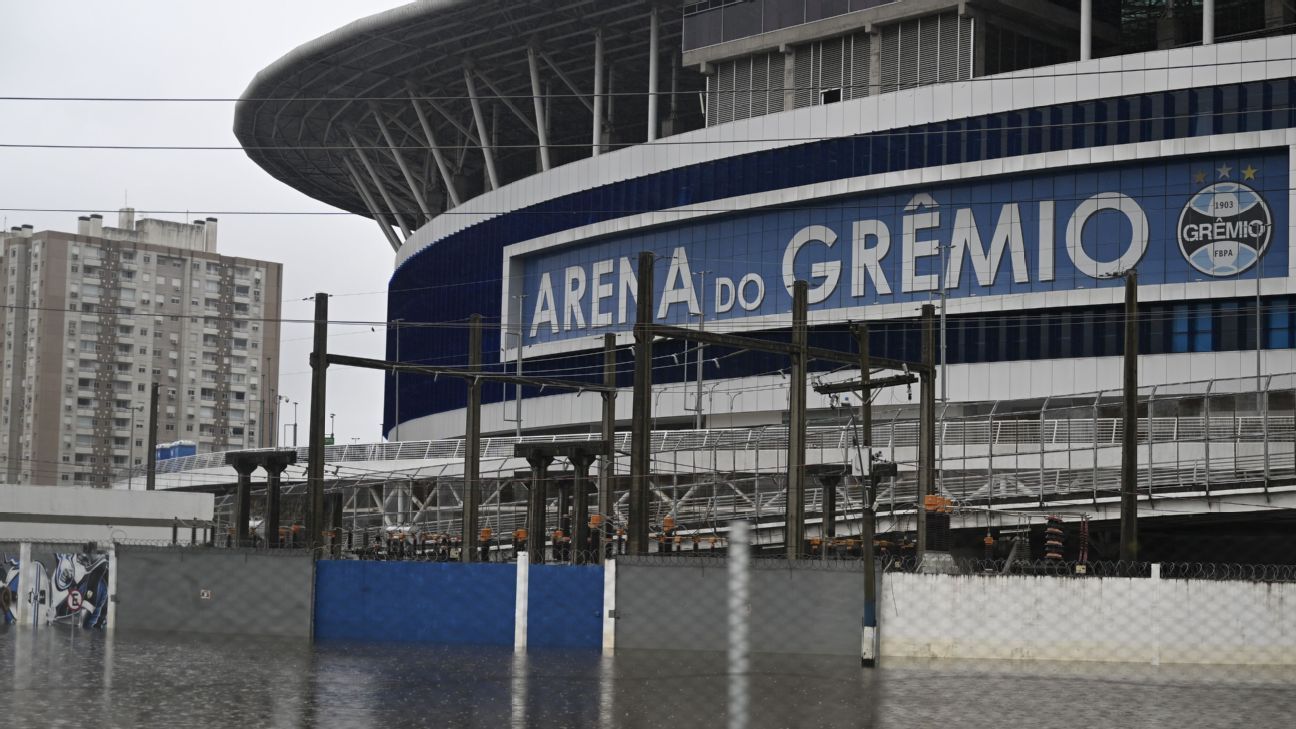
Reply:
x=9, y=588
x=57, y=587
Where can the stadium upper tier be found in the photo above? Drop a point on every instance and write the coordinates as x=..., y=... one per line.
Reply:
x=384, y=117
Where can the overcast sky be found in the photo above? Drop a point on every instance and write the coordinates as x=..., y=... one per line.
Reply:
x=164, y=48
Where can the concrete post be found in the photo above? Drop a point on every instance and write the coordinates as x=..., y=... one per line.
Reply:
x=274, y=477
x=243, y=503
x=1208, y=22
x=333, y=508
x=472, y=444
x=641, y=417
x=794, y=529
x=581, y=463
x=535, y=505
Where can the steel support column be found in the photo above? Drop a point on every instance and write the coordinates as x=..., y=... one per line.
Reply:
x=562, y=76
x=382, y=189
x=596, y=145
x=794, y=527
x=1086, y=30
x=447, y=181
x=654, y=33
x=483, y=134
x=400, y=161
x=378, y=217
x=537, y=99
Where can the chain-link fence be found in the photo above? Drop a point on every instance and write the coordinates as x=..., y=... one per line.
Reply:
x=723, y=635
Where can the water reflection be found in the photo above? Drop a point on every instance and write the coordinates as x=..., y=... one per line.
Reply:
x=68, y=677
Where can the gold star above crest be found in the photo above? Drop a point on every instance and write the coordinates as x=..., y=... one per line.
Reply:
x=1199, y=177
x=1249, y=172
x=1224, y=171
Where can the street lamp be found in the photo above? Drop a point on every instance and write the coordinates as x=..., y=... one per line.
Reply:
x=332, y=430
x=285, y=399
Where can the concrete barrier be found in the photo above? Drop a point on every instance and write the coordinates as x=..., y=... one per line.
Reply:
x=565, y=606
x=416, y=602
x=213, y=591
x=1088, y=619
x=682, y=604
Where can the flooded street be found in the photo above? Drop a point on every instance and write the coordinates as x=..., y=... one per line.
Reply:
x=72, y=678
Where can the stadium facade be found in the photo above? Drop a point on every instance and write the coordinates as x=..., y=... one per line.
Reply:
x=1006, y=160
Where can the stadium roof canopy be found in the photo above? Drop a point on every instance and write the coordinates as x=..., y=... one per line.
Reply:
x=378, y=117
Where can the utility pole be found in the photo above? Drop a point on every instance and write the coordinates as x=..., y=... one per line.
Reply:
x=641, y=416
x=315, y=452
x=1129, y=421
x=867, y=525
x=607, y=461
x=150, y=479
x=926, y=425
x=697, y=403
x=472, y=444
x=794, y=529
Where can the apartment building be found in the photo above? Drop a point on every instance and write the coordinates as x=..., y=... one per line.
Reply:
x=92, y=319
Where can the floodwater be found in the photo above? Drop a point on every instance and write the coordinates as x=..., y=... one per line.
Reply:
x=67, y=677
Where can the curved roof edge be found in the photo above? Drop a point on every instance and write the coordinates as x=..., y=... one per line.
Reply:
x=332, y=40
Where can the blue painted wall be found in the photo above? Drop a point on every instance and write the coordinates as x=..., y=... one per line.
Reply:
x=565, y=606
x=415, y=602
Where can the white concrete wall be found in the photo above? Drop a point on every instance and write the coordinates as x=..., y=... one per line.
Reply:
x=1088, y=619
x=62, y=512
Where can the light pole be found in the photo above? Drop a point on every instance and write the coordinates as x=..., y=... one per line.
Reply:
x=130, y=468
x=332, y=430
x=285, y=400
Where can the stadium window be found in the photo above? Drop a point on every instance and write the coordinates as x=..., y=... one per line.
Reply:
x=1035, y=132
x=994, y=136
x=1202, y=328
x=1279, y=325
x=1013, y=133
x=1123, y=126
x=1229, y=320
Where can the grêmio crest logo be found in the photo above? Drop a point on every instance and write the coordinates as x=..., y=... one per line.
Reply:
x=1225, y=227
